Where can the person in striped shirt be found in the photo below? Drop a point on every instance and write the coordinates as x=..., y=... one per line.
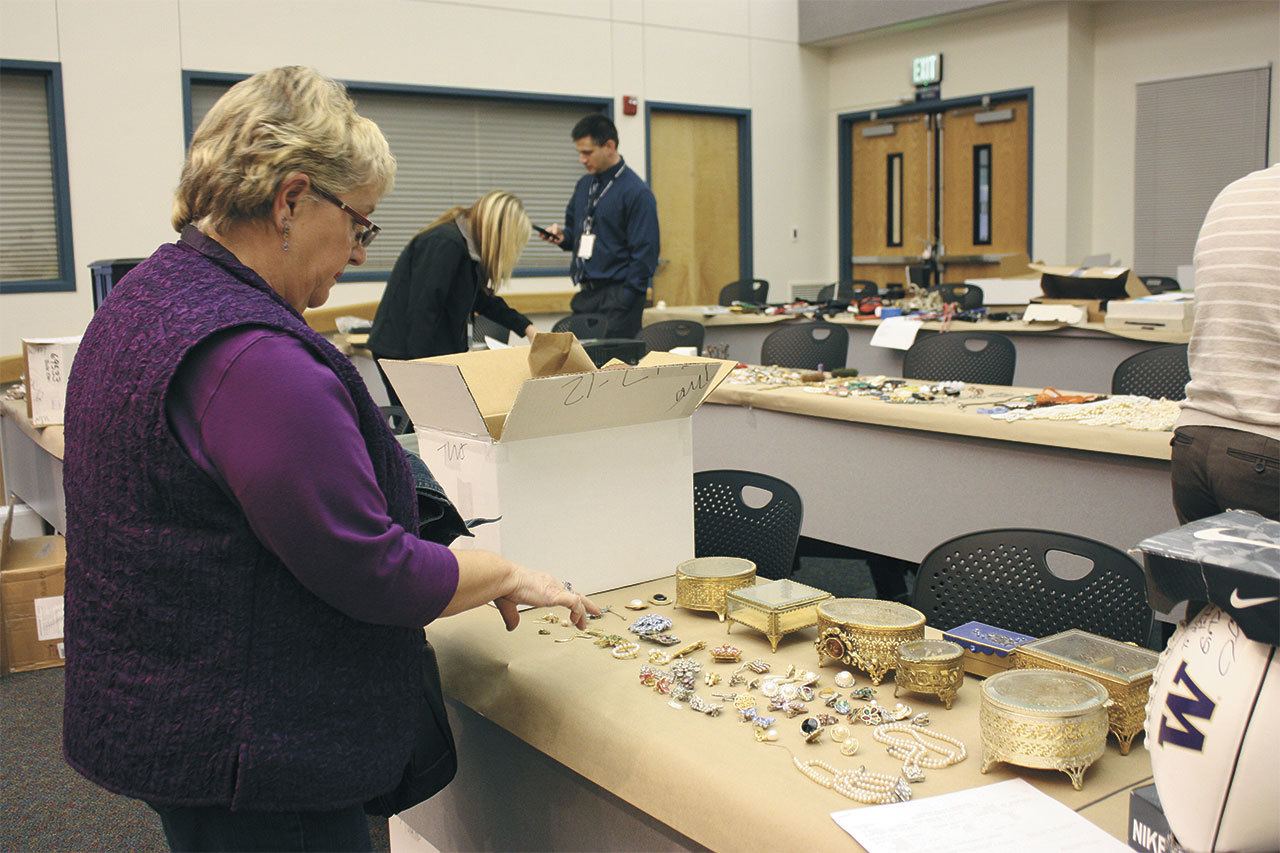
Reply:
x=1226, y=445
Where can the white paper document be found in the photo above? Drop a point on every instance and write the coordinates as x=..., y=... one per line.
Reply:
x=48, y=618
x=896, y=333
x=1007, y=817
x=494, y=343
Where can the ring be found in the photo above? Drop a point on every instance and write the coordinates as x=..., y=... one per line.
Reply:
x=568, y=586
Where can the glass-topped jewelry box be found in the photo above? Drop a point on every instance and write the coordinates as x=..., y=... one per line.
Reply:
x=1126, y=671
x=1043, y=718
x=775, y=609
x=703, y=582
x=866, y=632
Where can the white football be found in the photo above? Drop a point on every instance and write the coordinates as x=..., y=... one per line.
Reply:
x=1213, y=730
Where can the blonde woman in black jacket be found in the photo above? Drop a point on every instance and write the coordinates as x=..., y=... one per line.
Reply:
x=449, y=271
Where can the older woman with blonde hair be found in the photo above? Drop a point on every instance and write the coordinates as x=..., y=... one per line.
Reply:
x=246, y=582
x=450, y=270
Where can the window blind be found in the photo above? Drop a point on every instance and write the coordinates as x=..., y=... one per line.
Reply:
x=451, y=150
x=1195, y=135
x=28, y=201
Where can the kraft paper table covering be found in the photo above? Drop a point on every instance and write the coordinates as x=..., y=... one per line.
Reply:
x=949, y=417
x=49, y=438
x=708, y=777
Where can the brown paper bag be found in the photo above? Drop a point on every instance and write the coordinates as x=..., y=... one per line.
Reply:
x=558, y=353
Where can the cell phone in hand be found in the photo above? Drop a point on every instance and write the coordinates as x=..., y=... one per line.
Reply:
x=544, y=232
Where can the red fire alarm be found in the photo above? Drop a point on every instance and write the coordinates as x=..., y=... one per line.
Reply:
x=629, y=105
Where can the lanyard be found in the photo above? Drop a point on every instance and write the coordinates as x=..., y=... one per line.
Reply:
x=594, y=200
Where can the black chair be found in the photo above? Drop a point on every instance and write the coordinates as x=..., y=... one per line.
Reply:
x=1157, y=372
x=805, y=346
x=668, y=334
x=482, y=327
x=1160, y=283
x=946, y=357
x=965, y=295
x=1003, y=578
x=584, y=326
x=726, y=525
x=603, y=350
x=848, y=291
x=397, y=419
x=751, y=290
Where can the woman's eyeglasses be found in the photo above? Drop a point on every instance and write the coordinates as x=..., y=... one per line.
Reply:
x=365, y=236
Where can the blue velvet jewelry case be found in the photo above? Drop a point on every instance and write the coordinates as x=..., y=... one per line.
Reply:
x=987, y=648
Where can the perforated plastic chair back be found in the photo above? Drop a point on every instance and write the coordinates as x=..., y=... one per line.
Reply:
x=1160, y=283
x=752, y=290
x=482, y=327
x=848, y=291
x=1003, y=578
x=965, y=295
x=585, y=326
x=397, y=419
x=668, y=334
x=804, y=346
x=726, y=525
x=1156, y=372
x=946, y=357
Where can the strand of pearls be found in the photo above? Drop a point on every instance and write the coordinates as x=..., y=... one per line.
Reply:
x=861, y=785
x=915, y=751
x=1130, y=412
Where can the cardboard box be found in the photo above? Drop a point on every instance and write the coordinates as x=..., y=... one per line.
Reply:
x=1151, y=313
x=588, y=476
x=1148, y=829
x=32, y=583
x=46, y=366
x=1093, y=309
x=1090, y=287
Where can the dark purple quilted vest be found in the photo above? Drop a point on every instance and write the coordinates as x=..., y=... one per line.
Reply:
x=199, y=671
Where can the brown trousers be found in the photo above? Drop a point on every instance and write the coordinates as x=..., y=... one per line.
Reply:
x=1216, y=469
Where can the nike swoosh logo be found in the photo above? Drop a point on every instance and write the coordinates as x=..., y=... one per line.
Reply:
x=1240, y=603
x=1219, y=534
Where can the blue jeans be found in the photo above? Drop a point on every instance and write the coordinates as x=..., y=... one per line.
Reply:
x=199, y=828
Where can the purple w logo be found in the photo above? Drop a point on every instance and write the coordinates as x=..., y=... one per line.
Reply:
x=1187, y=737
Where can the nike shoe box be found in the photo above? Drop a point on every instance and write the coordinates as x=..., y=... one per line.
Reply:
x=1231, y=560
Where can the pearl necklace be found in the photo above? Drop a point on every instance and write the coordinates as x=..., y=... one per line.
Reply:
x=915, y=752
x=861, y=785
x=1129, y=412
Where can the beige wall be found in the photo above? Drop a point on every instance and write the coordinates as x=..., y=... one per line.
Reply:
x=1136, y=42
x=122, y=62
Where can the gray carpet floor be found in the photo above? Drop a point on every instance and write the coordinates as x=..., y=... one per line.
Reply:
x=47, y=806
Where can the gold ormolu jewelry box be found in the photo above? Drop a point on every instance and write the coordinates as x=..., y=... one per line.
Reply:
x=866, y=632
x=703, y=582
x=930, y=666
x=1045, y=719
x=1125, y=671
x=775, y=608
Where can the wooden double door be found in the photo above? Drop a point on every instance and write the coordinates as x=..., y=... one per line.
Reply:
x=950, y=185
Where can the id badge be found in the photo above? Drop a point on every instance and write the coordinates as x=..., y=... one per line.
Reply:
x=586, y=245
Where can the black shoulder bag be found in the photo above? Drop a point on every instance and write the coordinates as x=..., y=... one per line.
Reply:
x=434, y=760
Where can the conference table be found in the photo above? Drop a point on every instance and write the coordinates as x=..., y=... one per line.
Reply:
x=562, y=748
x=1082, y=357
x=898, y=479
x=32, y=460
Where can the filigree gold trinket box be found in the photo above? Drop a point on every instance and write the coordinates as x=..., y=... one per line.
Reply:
x=1124, y=670
x=866, y=632
x=776, y=608
x=1043, y=718
x=703, y=582
x=930, y=666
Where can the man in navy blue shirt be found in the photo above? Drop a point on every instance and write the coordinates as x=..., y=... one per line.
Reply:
x=611, y=227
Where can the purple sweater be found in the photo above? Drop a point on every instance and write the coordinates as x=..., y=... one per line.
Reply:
x=209, y=661
x=255, y=409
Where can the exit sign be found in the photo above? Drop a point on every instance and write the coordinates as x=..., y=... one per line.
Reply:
x=926, y=70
